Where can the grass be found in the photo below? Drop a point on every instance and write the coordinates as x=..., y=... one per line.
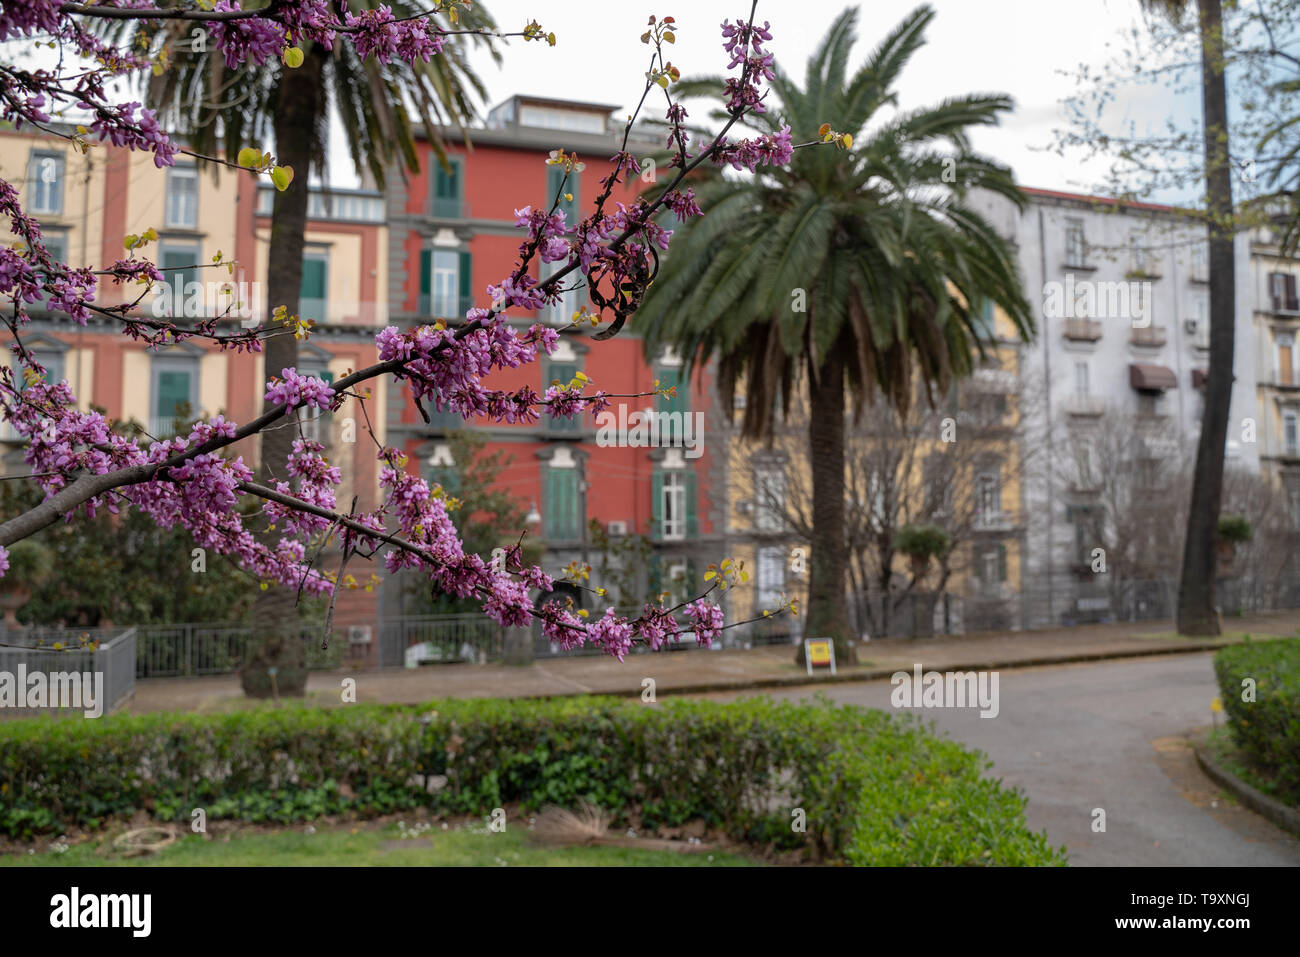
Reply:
x=1232, y=760
x=375, y=847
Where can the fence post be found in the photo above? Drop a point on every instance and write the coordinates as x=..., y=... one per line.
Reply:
x=519, y=646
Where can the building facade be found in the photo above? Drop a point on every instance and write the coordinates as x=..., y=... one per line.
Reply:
x=87, y=203
x=451, y=234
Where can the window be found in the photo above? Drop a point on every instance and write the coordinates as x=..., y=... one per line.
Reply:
x=674, y=504
x=312, y=294
x=769, y=499
x=561, y=313
x=1293, y=501
x=1282, y=290
x=564, y=373
x=550, y=118
x=52, y=361
x=1076, y=248
x=179, y=265
x=448, y=189
x=314, y=422
x=771, y=577
x=988, y=497
x=938, y=485
x=1081, y=385
x=563, y=519
x=56, y=244
x=1291, y=431
x=1200, y=263
x=991, y=564
x=671, y=410
x=982, y=317
x=445, y=283
x=1138, y=260
x=570, y=207
x=174, y=397
x=1285, y=364
x=45, y=183
x=183, y=197
x=1150, y=403
x=1087, y=531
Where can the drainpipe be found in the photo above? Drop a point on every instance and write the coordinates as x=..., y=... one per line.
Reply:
x=1047, y=412
x=85, y=261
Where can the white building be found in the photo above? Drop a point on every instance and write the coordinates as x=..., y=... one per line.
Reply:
x=1121, y=305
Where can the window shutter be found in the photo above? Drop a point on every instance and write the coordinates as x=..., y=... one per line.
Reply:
x=656, y=506
x=425, y=305
x=1002, y=563
x=655, y=578
x=447, y=189
x=565, y=373
x=173, y=393
x=465, y=276
x=313, y=278
x=692, y=525
x=554, y=176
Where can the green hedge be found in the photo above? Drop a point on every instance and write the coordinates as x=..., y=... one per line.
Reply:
x=1267, y=730
x=875, y=788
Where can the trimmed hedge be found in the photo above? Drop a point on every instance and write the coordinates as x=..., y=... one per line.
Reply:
x=1267, y=730
x=875, y=788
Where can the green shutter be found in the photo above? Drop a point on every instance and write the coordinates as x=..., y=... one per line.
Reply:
x=692, y=524
x=554, y=177
x=186, y=272
x=562, y=504
x=173, y=393
x=447, y=189
x=465, y=276
x=1002, y=563
x=565, y=373
x=657, y=506
x=425, y=305
x=313, y=278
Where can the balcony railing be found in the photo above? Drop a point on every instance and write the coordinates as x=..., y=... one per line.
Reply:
x=1083, y=330
x=1152, y=336
x=168, y=426
x=1091, y=405
x=444, y=308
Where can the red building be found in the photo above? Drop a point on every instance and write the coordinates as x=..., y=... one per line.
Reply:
x=452, y=233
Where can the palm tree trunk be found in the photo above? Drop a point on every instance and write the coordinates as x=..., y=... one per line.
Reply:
x=828, y=614
x=277, y=642
x=1196, y=601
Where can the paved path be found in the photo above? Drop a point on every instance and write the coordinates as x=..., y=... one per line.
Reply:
x=1108, y=735
x=695, y=671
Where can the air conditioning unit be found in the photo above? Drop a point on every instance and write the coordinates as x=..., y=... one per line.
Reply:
x=617, y=528
x=358, y=634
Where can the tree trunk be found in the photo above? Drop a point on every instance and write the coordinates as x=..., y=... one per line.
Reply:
x=1196, y=601
x=277, y=642
x=828, y=613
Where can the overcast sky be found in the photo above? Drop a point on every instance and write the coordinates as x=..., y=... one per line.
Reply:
x=1018, y=47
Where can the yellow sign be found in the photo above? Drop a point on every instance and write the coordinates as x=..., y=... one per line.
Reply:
x=819, y=652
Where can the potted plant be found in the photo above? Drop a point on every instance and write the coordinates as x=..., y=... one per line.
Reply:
x=1233, y=530
x=30, y=563
x=922, y=544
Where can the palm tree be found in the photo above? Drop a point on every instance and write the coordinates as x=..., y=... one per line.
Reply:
x=221, y=110
x=1196, y=601
x=880, y=247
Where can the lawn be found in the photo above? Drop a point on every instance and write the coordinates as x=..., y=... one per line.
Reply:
x=374, y=847
x=1232, y=760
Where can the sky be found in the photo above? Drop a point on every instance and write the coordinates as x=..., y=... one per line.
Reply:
x=1023, y=48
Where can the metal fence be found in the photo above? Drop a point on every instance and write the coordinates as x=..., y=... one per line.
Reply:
x=193, y=649
x=439, y=639
x=77, y=679
x=1064, y=603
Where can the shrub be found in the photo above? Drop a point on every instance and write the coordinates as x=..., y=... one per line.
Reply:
x=921, y=541
x=876, y=788
x=1267, y=729
x=1235, y=528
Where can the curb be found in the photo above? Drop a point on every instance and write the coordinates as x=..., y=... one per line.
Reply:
x=876, y=674
x=1271, y=809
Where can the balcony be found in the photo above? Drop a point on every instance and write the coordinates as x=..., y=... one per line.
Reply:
x=993, y=521
x=169, y=426
x=1083, y=330
x=1085, y=405
x=1150, y=337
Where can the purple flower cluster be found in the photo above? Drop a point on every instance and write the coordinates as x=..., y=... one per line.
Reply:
x=706, y=621
x=120, y=127
x=744, y=42
x=295, y=390
x=379, y=35
x=251, y=41
x=770, y=149
x=26, y=17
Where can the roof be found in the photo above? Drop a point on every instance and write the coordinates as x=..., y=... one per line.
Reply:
x=552, y=101
x=1100, y=200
